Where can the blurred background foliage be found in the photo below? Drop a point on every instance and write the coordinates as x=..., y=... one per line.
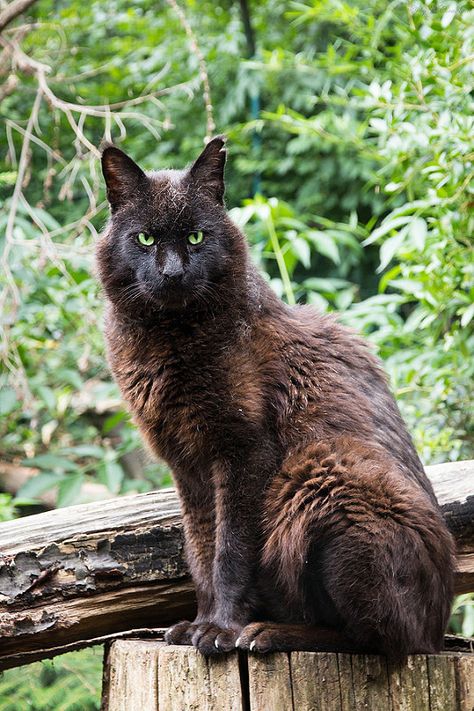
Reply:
x=350, y=131
x=71, y=682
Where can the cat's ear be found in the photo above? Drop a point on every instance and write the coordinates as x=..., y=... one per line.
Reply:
x=122, y=176
x=208, y=170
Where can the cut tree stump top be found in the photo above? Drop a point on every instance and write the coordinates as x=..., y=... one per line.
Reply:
x=150, y=676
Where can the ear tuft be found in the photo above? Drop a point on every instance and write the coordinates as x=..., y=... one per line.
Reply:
x=208, y=170
x=122, y=175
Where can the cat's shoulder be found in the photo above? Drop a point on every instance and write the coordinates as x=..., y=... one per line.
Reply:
x=325, y=333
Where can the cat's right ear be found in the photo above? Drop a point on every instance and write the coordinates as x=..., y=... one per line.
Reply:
x=123, y=177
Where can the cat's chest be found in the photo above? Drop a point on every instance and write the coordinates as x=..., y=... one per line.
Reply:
x=188, y=400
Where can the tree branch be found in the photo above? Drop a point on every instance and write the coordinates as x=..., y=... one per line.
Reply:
x=12, y=11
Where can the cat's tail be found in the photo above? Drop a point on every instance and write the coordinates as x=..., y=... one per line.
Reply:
x=345, y=526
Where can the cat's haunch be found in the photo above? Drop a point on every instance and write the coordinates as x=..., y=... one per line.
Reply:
x=309, y=521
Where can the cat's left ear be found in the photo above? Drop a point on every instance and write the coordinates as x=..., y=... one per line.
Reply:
x=208, y=169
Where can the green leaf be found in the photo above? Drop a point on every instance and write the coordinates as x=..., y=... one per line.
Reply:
x=418, y=230
x=325, y=244
x=113, y=420
x=327, y=285
x=389, y=249
x=449, y=15
x=37, y=485
x=387, y=226
x=85, y=450
x=48, y=397
x=114, y=475
x=8, y=401
x=467, y=315
x=317, y=300
x=69, y=490
x=50, y=461
x=468, y=621
x=300, y=248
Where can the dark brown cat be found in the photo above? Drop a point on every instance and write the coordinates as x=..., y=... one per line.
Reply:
x=309, y=521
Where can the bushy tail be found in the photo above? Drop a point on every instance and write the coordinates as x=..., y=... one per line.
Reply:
x=385, y=557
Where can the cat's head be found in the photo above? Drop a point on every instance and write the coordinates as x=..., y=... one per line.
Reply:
x=169, y=244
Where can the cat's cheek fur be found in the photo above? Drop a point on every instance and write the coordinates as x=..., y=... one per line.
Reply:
x=303, y=499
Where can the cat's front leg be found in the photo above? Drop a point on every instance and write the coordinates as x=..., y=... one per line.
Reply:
x=238, y=530
x=197, y=503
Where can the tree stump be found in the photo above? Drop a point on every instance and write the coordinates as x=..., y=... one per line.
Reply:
x=151, y=676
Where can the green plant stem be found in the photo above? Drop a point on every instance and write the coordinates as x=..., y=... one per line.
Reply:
x=285, y=277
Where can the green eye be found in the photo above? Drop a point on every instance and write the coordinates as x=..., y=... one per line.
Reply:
x=195, y=237
x=146, y=240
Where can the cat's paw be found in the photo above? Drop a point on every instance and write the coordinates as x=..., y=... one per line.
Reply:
x=211, y=639
x=260, y=637
x=180, y=633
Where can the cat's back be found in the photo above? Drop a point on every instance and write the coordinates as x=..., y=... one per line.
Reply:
x=326, y=382
x=311, y=342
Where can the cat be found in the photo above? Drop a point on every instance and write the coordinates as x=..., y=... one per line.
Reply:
x=309, y=522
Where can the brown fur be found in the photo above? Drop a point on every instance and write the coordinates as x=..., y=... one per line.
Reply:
x=303, y=498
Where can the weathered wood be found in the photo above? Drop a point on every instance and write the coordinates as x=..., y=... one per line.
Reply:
x=72, y=574
x=315, y=682
x=300, y=681
x=465, y=681
x=133, y=676
x=187, y=680
x=370, y=682
x=10, y=661
x=409, y=687
x=270, y=683
x=148, y=676
x=345, y=682
x=84, y=571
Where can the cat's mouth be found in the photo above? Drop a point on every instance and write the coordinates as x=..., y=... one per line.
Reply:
x=165, y=295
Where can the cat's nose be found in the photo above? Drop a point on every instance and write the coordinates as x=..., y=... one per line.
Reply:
x=173, y=266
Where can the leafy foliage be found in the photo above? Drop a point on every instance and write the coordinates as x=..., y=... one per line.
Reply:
x=351, y=139
x=70, y=682
x=363, y=149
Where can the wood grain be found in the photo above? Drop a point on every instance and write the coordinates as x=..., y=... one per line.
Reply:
x=133, y=676
x=270, y=687
x=180, y=678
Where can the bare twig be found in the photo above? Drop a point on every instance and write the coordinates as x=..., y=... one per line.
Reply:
x=11, y=286
x=70, y=171
x=9, y=86
x=203, y=75
x=12, y=11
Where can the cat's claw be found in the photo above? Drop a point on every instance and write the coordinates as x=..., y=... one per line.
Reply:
x=237, y=641
x=252, y=645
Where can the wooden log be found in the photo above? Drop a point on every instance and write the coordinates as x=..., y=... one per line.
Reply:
x=270, y=682
x=465, y=681
x=146, y=675
x=77, y=573
x=131, y=676
x=409, y=685
x=71, y=575
x=179, y=678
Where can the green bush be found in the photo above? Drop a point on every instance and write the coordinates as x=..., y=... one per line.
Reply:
x=361, y=154
x=364, y=144
x=70, y=682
